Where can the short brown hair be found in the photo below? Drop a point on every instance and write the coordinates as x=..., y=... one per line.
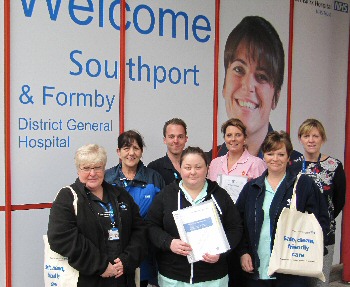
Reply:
x=174, y=121
x=263, y=45
x=308, y=125
x=274, y=140
x=235, y=123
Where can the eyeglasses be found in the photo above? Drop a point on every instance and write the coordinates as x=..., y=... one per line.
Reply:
x=88, y=169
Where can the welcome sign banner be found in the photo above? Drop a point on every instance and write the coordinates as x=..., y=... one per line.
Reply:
x=66, y=73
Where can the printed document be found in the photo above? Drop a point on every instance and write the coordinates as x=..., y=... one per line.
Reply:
x=201, y=227
x=233, y=184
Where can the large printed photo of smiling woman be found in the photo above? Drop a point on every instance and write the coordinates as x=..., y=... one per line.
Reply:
x=254, y=63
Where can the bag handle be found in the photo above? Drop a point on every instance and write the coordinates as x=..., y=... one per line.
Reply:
x=293, y=202
x=75, y=199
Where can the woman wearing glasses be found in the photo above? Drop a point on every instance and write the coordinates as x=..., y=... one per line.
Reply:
x=141, y=182
x=105, y=240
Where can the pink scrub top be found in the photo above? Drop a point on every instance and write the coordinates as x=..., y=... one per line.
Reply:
x=247, y=165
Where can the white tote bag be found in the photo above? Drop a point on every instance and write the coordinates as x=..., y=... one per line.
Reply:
x=298, y=244
x=57, y=271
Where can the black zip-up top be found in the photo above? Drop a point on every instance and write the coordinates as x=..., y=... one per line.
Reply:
x=83, y=240
x=162, y=230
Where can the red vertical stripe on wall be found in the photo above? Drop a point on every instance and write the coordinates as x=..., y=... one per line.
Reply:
x=8, y=197
x=216, y=79
x=122, y=67
x=345, y=247
x=290, y=64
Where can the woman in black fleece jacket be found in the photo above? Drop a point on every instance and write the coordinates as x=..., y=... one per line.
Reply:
x=103, y=257
x=193, y=189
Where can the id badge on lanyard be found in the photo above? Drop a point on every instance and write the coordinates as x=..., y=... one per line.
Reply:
x=113, y=233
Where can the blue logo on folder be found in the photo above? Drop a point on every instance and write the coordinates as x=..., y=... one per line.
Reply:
x=199, y=224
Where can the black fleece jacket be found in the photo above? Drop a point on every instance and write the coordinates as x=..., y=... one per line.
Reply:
x=81, y=238
x=162, y=230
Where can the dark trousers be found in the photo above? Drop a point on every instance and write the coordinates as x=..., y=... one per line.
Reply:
x=236, y=277
x=282, y=280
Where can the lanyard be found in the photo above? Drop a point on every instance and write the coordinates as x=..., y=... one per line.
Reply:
x=109, y=211
x=304, y=164
x=124, y=181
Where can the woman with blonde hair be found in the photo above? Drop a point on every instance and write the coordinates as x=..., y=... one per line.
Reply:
x=104, y=239
x=328, y=173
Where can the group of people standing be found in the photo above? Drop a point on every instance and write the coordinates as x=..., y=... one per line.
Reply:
x=124, y=214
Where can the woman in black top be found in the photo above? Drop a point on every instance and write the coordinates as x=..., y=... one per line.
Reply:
x=328, y=174
x=105, y=241
x=193, y=189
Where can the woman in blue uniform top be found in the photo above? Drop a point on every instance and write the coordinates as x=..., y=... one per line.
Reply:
x=141, y=182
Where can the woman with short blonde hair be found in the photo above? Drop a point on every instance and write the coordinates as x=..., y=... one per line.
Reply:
x=328, y=174
x=105, y=239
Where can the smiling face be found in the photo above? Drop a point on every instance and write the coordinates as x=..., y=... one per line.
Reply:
x=130, y=155
x=175, y=139
x=91, y=175
x=234, y=139
x=312, y=142
x=248, y=92
x=277, y=160
x=193, y=171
